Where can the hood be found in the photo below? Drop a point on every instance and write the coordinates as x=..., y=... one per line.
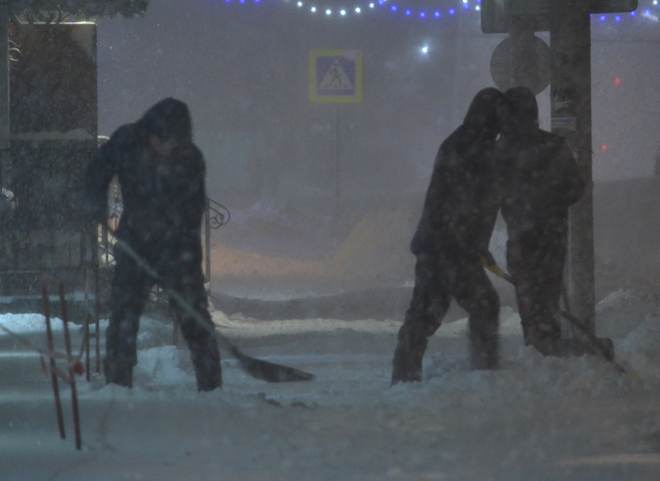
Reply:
x=482, y=113
x=525, y=109
x=169, y=118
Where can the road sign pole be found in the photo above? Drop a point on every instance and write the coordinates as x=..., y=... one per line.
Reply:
x=524, y=60
x=570, y=38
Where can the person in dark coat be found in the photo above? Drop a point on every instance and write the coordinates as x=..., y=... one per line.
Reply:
x=162, y=174
x=451, y=239
x=540, y=181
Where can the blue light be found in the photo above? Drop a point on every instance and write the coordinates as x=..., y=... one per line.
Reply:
x=650, y=12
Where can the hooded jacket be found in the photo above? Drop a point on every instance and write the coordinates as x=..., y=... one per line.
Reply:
x=539, y=176
x=164, y=197
x=461, y=204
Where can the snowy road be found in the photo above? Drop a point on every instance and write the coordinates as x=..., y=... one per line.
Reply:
x=535, y=419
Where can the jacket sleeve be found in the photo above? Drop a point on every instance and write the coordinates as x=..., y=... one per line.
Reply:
x=573, y=184
x=430, y=228
x=562, y=185
x=99, y=173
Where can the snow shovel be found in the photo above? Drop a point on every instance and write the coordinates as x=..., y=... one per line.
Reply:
x=257, y=368
x=595, y=342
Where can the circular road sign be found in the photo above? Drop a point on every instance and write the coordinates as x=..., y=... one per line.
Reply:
x=535, y=71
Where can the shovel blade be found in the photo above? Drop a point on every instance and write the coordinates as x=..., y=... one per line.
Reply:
x=269, y=371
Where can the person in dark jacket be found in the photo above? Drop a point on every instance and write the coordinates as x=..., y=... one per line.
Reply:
x=540, y=181
x=162, y=174
x=451, y=239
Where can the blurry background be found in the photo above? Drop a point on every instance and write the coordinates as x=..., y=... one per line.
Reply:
x=324, y=198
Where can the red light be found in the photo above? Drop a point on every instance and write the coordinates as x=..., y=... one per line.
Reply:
x=617, y=82
x=604, y=148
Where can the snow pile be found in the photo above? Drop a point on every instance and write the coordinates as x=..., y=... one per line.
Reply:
x=244, y=327
x=527, y=377
x=164, y=366
x=622, y=310
x=641, y=349
x=25, y=323
x=536, y=418
x=152, y=332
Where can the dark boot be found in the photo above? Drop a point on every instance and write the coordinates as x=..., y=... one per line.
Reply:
x=545, y=337
x=207, y=367
x=484, y=338
x=407, y=362
x=484, y=351
x=547, y=346
x=580, y=347
x=208, y=381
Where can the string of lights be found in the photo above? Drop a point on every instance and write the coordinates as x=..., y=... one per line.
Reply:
x=650, y=11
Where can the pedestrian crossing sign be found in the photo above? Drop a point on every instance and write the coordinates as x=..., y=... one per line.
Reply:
x=335, y=76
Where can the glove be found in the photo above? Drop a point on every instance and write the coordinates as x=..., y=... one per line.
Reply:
x=487, y=259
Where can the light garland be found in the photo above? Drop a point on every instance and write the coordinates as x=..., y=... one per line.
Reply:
x=359, y=9
x=650, y=12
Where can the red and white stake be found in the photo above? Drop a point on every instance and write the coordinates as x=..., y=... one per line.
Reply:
x=53, y=367
x=72, y=373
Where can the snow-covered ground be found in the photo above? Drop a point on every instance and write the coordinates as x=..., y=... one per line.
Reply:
x=535, y=419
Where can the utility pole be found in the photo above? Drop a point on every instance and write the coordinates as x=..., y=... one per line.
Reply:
x=524, y=61
x=4, y=83
x=569, y=23
x=570, y=42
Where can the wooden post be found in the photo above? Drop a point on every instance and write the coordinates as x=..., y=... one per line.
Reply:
x=88, y=318
x=97, y=312
x=72, y=374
